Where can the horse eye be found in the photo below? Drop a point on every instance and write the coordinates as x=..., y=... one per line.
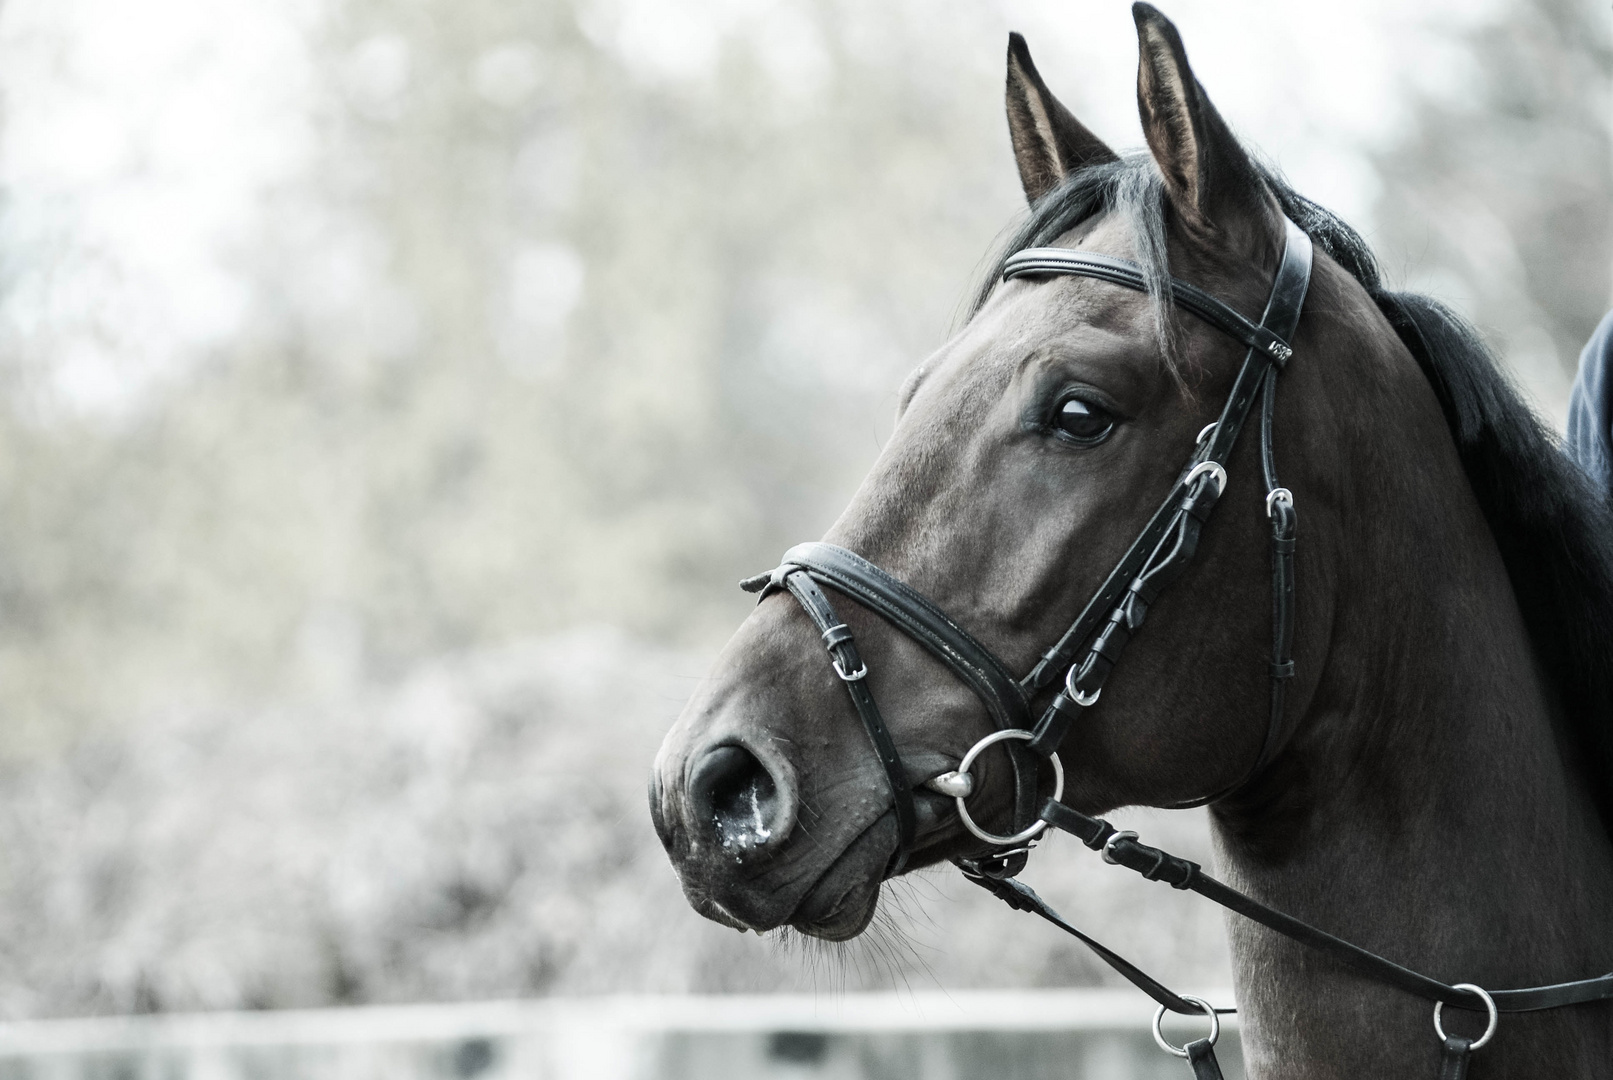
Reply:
x=1083, y=421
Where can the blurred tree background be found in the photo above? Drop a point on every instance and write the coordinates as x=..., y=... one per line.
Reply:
x=532, y=342
x=553, y=320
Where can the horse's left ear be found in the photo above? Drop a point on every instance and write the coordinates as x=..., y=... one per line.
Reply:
x=1211, y=182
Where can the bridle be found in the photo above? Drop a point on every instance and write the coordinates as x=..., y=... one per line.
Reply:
x=1081, y=660
x=1087, y=652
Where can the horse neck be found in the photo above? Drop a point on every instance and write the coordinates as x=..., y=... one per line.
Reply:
x=1422, y=808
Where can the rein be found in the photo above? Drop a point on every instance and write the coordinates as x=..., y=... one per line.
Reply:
x=1088, y=651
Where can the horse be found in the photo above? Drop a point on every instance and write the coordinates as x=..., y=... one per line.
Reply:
x=1434, y=782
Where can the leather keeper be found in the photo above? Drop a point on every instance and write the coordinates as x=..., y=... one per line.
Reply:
x=1199, y=505
x=1113, y=640
x=1091, y=831
x=835, y=635
x=1153, y=863
x=1061, y=712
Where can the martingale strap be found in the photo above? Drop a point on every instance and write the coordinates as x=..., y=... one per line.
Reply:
x=1125, y=849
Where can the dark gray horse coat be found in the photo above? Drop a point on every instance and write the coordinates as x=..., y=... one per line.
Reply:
x=1441, y=787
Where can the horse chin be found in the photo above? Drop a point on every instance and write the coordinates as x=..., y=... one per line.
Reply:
x=842, y=902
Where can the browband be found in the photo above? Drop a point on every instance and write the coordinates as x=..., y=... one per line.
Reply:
x=1049, y=260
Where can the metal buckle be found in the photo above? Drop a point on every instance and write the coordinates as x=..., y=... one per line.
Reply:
x=1278, y=495
x=1181, y=1051
x=1109, y=855
x=860, y=673
x=1212, y=468
x=1489, y=1004
x=1025, y=834
x=1207, y=429
x=1084, y=700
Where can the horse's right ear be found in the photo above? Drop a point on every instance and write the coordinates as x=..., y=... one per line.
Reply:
x=1208, y=177
x=1049, y=142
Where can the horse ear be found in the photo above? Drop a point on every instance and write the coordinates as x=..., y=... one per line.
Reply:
x=1210, y=180
x=1049, y=142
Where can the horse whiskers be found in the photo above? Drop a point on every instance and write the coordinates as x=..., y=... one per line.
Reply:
x=885, y=955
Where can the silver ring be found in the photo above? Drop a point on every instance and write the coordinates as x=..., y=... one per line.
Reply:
x=1109, y=855
x=1207, y=429
x=1278, y=495
x=1213, y=468
x=969, y=759
x=1181, y=1051
x=860, y=673
x=1086, y=701
x=1489, y=1003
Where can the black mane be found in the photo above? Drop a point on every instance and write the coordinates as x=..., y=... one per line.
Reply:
x=1554, y=529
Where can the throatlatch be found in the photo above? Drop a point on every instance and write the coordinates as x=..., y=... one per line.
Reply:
x=1077, y=666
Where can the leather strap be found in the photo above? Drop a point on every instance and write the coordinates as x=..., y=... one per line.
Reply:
x=1021, y=897
x=1454, y=1056
x=1266, y=339
x=848, y=664
x=1124, y=849
x=803, y=566
x=1201, y=1055
x=914, y=615
x=1157, y=557
x=1170, y=540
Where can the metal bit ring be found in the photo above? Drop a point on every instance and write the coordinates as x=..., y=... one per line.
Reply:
x=963, y=769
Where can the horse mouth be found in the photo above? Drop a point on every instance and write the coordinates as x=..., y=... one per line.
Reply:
x=841, y=903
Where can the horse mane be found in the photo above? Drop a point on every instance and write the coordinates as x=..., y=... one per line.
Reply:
x=1553, y=527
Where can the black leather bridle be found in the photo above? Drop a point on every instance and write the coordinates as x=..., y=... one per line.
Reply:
x=1088, y=651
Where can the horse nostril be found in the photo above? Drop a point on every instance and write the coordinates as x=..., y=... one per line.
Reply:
x=736, y=794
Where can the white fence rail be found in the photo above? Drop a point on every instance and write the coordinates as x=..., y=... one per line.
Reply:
x=930, y=1035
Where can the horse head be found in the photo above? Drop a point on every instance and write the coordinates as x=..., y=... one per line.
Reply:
x=1028, y=453
x=1445, y=699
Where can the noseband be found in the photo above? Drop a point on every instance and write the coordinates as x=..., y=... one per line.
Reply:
x=1087, y=652
x=1082, y=659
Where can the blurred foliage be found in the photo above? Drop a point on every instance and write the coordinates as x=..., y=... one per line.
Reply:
x=581, y=311
x=464, y=834
x=1499, y=199
x=550, y=335
x=538, y=341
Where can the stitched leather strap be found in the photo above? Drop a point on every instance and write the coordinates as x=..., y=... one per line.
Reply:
x=915, y=616
x=1293, y=277
x=977, y=666
x=1170, y=540
x=1124, y=849
x=1157, y=557
x=1066, y=261
x=848, y=664
x=805, y=565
